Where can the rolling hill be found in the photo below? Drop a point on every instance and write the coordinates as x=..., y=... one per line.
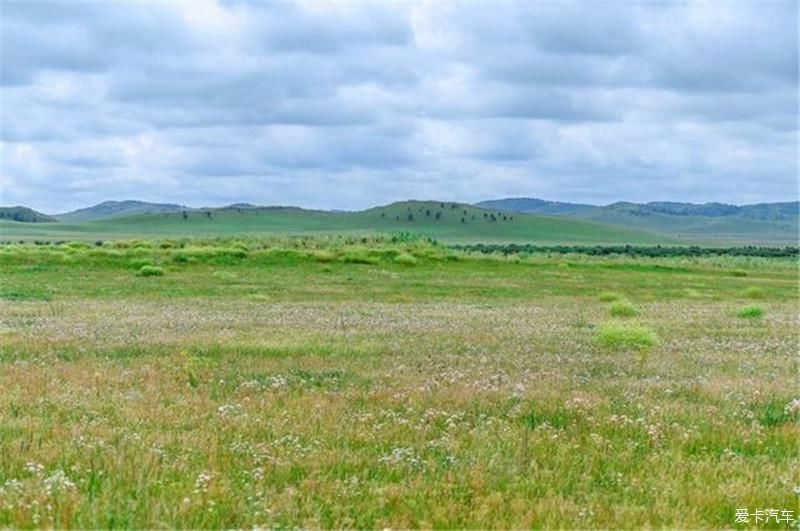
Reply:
x=446, y=221
x=709, y=222
x=24, y=215
x=519, y=220
x=118, y=209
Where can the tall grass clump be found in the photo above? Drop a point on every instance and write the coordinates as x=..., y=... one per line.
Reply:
x=751, y=312
x=622, y=308
x=323, y=256
x=359, y=256
x=754, y=293
x=150, y=271
x=139, y=263
x=626, y=336
x=406, y=259
x=609, y=296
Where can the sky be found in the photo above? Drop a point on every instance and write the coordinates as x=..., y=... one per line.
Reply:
x=347, y=105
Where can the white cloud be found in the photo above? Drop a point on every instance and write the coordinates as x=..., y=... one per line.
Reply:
x=345, y=105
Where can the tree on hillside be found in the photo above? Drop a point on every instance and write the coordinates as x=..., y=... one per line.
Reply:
x=185, y=215
x=410, y=216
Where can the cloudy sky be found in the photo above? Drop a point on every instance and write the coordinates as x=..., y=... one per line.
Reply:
x=351, y=104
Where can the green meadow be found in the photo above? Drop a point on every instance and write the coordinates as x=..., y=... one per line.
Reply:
x=372, y=381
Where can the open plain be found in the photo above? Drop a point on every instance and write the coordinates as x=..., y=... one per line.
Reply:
x=378, y=382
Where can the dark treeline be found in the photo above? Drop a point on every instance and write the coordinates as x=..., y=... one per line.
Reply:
x=788, y=251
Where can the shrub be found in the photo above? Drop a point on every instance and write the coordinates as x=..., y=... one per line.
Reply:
x=405, y=259
x=180, y=258
x=138, y=263
x=751, y=312
x=622, y=336
x=754, y=293
x=609, y=296
x=150, y=271
x=622, y=308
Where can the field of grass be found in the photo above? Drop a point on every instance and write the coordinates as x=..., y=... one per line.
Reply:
x=444, y=221
x=364, y=382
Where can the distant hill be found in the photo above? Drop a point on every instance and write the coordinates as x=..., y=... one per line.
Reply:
x=517, y=220
x=25, y=215
x=764, y=222
x=445, y=221
x=532, y=205
x=118, y=209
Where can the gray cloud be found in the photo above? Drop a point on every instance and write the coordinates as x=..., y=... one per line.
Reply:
x=345, y=105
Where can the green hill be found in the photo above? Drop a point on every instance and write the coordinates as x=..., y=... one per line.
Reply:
x=117, y=209
x=451, y=222
x=24, y=215
x=721, y=229
x=775, y=223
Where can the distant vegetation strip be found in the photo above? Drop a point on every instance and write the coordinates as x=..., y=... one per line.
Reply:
x=633, y=250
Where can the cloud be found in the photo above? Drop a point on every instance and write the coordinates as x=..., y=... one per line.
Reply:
x=346, y=105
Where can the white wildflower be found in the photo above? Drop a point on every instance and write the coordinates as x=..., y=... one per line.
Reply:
x=57, y=482
x=34, y=468
x=230, y=410
x=202, y=483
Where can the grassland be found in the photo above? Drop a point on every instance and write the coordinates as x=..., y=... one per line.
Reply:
x=365, y=382
x=450, y=222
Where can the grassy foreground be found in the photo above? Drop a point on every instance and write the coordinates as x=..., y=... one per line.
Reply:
x=348, y=382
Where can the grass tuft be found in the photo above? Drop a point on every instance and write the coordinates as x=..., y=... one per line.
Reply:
x=324, y=256
x=754, y=293
x=751, y=312
x=150, y=271
x=626, y=336
x=622, y=308
x=609, y=296
x=774, y=413
x=406, y=259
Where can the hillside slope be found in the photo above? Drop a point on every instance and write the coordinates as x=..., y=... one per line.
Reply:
x=24, y=215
